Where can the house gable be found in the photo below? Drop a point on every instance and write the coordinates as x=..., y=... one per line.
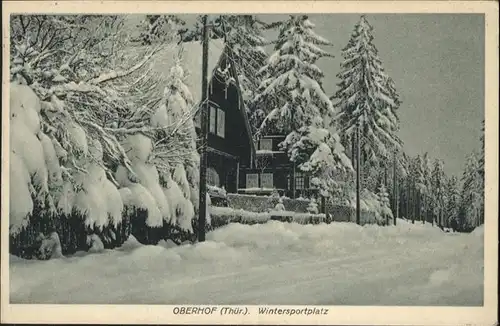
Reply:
x=225, y=100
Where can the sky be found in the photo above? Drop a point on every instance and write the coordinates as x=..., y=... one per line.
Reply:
x=437, y=64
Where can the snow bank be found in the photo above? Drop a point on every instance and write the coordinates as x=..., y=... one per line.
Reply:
x=271, y=263
x=478, y=232
x=224, y=215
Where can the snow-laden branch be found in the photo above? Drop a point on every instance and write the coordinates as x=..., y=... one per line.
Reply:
x=122, y=73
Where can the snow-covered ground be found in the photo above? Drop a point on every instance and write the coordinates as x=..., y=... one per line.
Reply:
x=272, y=263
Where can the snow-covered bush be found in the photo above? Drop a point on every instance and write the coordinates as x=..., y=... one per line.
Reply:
x=51, y=246
x=224, y=215
x=217, y=190
x=95, y=243
x=257, y=203
x=279, y=206
x=313, y=207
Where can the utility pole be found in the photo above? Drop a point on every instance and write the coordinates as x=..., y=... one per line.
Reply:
x=202, y=218
x=358, y=213
x=394, y=190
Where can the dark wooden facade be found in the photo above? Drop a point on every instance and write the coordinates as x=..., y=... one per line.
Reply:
x=230, y=147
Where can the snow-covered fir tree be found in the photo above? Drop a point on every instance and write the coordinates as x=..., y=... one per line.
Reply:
x=427, y=190
x=418, y=186
x=293, y=79
x=367, y=97
x=178, y=108
x=472, y=205
x=165, y=159
x=385, y=206
x=438, y=191
x=300, y=108
x=452, y=204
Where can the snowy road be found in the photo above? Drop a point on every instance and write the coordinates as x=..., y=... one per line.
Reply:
x=275, y=263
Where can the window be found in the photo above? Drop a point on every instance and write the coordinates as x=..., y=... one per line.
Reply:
x=213, y=177
x=266, y=144
x=212, y=119
x=266, y=180
x=299, y=181
x=217, y=120
x=221, y=123
x=252, y=180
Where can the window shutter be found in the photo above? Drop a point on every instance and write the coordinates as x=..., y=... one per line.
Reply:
x=197, y=119
x=212, y=119
x=221, y=123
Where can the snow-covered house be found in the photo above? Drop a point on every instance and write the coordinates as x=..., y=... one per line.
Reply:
x=235, y=162
x=230, y=147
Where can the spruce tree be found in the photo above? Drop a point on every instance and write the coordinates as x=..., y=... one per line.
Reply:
x=472, y=205
x=438, y=191
x=368, y=97
x=420, y=187
x=385, y=210
x=301, y=109
x=293, y=79
x=426, y=191
x=452, y=202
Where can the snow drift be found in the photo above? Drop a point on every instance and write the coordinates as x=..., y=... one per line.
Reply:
x=272, y=263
